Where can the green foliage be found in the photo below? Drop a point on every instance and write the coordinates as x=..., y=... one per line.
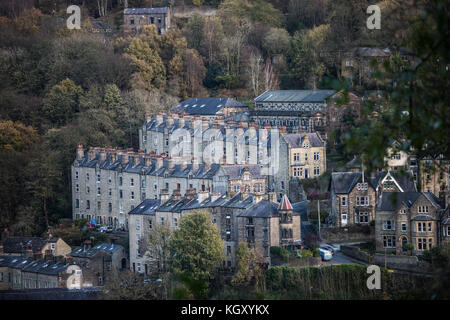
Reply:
x=280, y=252
x=306, y=253
x=197, y=247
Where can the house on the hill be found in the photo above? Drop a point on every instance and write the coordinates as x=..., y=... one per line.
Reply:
x=137, y=18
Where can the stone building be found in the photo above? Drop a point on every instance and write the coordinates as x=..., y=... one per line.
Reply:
x=100, y=261
x=355, y=195
x=267, y=224
x=35, y=247
x=298, y=110
x=225, y=214
x=407, y=217
x=137, y=18
x=210, y=108
x=107, y=183
x=193, y=140
x=307, y=155
x=26, y=273
x=246, y=179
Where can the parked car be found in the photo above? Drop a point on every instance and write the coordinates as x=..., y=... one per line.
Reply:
x=329, y=248
x=325, y=254
x=105, y=229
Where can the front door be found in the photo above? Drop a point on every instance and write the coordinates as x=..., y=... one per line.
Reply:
x=344, y=220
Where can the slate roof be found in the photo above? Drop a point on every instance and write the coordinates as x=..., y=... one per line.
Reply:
x=146, y=207
x=105, y=247
x=318, y=96
x=262, y=209
x=391, y=201
x=295, y=140
x=343, y=182
x=404, y=180
x=235, y=171
x=19, y=244
x=46, y=267
x=206, y=106
x=146, y=10
x=15, y=262
x=203, y=172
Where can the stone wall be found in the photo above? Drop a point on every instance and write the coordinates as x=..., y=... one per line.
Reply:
x=405, y=263
x=356, y=253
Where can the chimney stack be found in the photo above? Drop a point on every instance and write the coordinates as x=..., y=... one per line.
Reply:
x=202, y=196
x=191, y=194
x=176, y=195
x=148, y=160
x=159, y=162
x=181, y=122
x=164, y=195
x=148, y=117
x=91, y=153
x=124, y=157
x=215, y=196
x=102, y=154
x=80, y=152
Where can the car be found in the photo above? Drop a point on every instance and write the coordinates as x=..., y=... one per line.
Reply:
x=105, y=229
x=329, y=248
x=325, y=254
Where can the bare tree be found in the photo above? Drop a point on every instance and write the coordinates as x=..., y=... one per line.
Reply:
x=254, y=71
x=271, y=80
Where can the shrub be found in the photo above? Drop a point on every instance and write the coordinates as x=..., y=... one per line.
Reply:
x=280, y=252
x=307, y=253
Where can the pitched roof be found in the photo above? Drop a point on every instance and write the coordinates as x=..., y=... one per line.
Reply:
x=285, y=204
x=46, y=267
x=404, y=180
x=262, y=209
x=15, y=261
x=146, y=10
x=104, y=247
x=206, y=106
x=343, y=182
x=294, y=96
x=19, y=244
x=295, y=140
x=147, y=207
x=391, y=201
x=235, y=171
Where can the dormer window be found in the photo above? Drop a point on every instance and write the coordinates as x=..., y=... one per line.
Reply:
x=362, y=186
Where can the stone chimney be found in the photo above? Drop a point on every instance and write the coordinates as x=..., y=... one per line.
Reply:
x=159, y=162
x=194, y=164
x=148, y=160
x=176, y=195
x=170, y=121
x=137, y=159
x=215, y=196
x=273, y=197
x=181, y=122
x=191, y=194
x=87, y=244
x=113, y=153
x=258, y=197
x=102, y=154
x=202, y=196
x=80, y=152
x=124, y=157
x=148, y=117
x=164, y=195
x=171, y=163
x=91, y=153
x=159, y=119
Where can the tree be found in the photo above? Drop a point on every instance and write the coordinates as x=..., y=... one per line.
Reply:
x=249, y=267
x=16, y=136
x=276, y=41
x=305, y=55
x=128, y=285
x=197, y=248
x=62, y=102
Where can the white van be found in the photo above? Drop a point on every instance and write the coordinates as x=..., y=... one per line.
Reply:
x=325, y=254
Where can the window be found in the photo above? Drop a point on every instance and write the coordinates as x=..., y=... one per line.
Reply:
x=430, y=226
x=143, y=183
x=396, y=156
x=316, y=156
x=363, y=217
x=317, y=171
x=404, y=226
x=76, y=175
x=109, y=179
x=448, y=231
x=344, y=201
x=98, y=177
x=306, y=156
x=149, y=223
x=77, y=203
x=175, y=222
x=143, y=196
x=388, y=225
x=296, y=156
x=362, y=201
x=138, y=224
x=98, y=192
x=228, y=251
x=77, y=188
x=132, y=195
x=120, y=181
x=430, y=243
x=362, y=186
x=87, y=176
x=131, y=21
x=88, y=189
x=110, y=207
x=403, y=211
x=132, y=182
x=423, y=209
x=389, y=241
x=88, y=204
x=110, y=192
x=99, y=205
x=120, y=194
